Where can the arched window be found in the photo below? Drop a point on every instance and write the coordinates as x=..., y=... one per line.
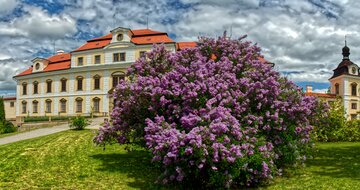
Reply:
x=35, y=106
x=337, y=89
x=24, y=103
x=48, y=105
x=48, y=85
x=96, y=105
x=117, y=76
x=97, y=82
x=63, y=84
x=79, y=102
x=353, y=89
x=36, y=87
x=79, y=83
x=63, y=105
x=24, y=86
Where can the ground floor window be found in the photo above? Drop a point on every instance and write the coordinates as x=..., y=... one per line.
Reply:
x=48, y=106
x=79, y=102
x=35, y=106
x=63, y=105
x=24, y=106
x=96, y=105
x=353, y=116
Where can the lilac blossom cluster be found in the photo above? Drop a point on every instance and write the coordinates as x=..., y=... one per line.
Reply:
x=213, y=115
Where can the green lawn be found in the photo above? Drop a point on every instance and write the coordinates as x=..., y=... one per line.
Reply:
x=69, y=160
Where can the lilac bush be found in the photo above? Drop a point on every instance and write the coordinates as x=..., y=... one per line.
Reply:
x=215, y=116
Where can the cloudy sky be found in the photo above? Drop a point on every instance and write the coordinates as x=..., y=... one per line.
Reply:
x=303, y=37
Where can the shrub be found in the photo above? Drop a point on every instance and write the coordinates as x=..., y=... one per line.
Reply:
x=213, y=116
x=79, y=123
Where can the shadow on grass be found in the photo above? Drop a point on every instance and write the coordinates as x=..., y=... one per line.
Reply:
x=337, y=162
x=135, y=164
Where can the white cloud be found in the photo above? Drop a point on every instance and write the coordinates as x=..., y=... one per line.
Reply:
x=7, y=6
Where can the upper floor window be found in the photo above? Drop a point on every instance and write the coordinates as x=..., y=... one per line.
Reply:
x=120, y=37
x=80, y=61
x=79, y=83
x=24, y=88
x=24, y=106
x=96, y=105
x=353, y=70
x=36, y=87
x=97, y=82
x=63, y=84
x=12, y=104
x=337, y=89
x=117, y=57
x=48, y=86
x=117, y=76
x=48, y=105
x=63, y=105
x=37, y=66
x=353, y=89
x=97, y=59
x=35, y=106
x=142, y=53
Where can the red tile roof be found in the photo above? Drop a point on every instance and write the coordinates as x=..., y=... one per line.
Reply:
x=56, y=62
x=143, y=32
x=183, y=45
x=9, y=98
x=141, y=40
x=321, y=95
x=94, y=45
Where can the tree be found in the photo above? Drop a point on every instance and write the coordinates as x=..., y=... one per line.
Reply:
x=2, y=110
x=214, y=116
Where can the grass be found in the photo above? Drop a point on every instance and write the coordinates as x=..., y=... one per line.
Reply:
x=335, y=166
x=69, y=160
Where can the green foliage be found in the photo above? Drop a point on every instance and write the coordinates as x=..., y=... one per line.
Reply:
x=335, y=127
x=79, y=123
x=46, y=118
x=2, y=110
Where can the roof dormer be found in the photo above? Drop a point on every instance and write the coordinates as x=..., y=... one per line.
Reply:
x=120, y=35
x=39, y=64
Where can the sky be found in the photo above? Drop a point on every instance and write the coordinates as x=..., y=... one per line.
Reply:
x=303, y=38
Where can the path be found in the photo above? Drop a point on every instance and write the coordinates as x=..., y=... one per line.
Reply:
x=95, y=124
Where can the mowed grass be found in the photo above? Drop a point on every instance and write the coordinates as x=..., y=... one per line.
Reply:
x=335, y=166
x=69, y=160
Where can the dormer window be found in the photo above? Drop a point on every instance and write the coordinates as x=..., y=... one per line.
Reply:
x=37, y=66
x=119, y=37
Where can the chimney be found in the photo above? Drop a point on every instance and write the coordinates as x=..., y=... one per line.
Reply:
x=309, y=89
x=60, y=51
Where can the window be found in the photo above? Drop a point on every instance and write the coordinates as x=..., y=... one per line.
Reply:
x=48, y=106
x=353, y=70
x=117, y=57
x=37, y=66
x=63, y=105
x=354, y=106
x=120, y=37
x=96, y=105
x=24, y=86
x=35, y=106
x=80, y=61
x=12, y=104
x=122, y=56
x=353, y=89
x=63, y=84
x=97, y=59
x=79, y=102
x=36, y=87
x=79, y=83
x=142, y=53
x=117, y=76
x=24, y=106
x=337, y=89
x=48, y=86
x=97, y=82
x=353, y=116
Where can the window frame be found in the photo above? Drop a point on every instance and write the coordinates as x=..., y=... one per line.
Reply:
x=48, y=86
x=48, y=106
x=63, y=103
x=24, y=88
x=80, y=63
x=78, y=79
x=95, y=59
x=79, y=100
x=354, y=106
x=96, y=107
x=35, y=102
x=97, y=82
x=118, y=75
x=353, y=89
x=24, y=109
x=36, y=86
x=63, y=82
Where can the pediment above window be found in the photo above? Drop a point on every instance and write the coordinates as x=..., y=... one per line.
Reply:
x=39, y=64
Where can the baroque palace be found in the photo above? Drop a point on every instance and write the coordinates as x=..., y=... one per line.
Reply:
x=81, y=82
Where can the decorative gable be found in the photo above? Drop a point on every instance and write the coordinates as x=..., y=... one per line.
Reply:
x=39, y=64
x=121, y=34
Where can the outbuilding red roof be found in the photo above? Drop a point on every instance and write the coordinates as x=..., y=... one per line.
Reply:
x=183, y=45
x=321, y=95
x=9, y=98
